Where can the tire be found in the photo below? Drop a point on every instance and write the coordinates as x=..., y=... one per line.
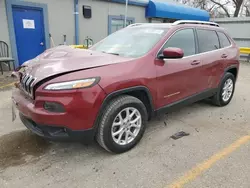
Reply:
x=110, y=116
x=218, y=99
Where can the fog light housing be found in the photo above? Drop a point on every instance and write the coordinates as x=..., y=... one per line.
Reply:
x=53, y=107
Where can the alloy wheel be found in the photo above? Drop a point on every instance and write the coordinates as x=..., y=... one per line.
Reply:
x=126, y=126
x=227, y=89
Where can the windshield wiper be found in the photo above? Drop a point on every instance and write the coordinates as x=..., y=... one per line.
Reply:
x=110, y=53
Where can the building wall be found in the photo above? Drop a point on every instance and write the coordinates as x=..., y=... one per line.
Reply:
x=61, y=19
x=97, y=26
x=4, y=31
x=238, y=28
x=156, y=20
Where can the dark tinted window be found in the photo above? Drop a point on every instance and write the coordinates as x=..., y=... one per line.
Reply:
x=224, y=42
x=208, y=40
x=183, y=39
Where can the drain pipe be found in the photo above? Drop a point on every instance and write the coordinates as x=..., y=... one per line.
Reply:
x=76, y=13
x=126, y=12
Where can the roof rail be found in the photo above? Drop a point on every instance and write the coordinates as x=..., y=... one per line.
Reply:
x=195, y=22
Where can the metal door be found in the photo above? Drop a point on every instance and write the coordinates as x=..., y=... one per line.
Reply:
x=29, y=32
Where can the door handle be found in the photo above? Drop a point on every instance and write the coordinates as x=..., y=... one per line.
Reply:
x=224, y=56
x=41, y=43
x=195, y=62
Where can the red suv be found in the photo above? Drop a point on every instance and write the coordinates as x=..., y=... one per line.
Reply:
x=110, y=91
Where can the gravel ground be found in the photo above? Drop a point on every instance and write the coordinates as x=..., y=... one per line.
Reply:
x=29, y=161
x=5, y=79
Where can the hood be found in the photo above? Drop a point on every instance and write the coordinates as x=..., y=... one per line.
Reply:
x=63, y=59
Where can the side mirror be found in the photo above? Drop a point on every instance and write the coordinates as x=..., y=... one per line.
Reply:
x=172, y=53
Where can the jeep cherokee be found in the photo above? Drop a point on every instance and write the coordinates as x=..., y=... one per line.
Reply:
x=111, y=90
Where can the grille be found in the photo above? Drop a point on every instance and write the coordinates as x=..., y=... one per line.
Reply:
x=27, y=84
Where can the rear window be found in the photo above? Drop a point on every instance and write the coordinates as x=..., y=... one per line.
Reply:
x=224, y=41
x=208, y=40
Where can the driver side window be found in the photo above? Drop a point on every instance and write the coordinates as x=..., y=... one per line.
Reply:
x=183, y=39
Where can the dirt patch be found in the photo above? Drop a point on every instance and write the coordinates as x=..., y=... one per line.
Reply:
x=21, y=147
x=6, y=81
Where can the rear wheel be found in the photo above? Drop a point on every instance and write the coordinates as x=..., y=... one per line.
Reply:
x=226, y=90
x=122, y=124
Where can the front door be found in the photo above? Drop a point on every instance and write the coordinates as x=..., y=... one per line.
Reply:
x=29, y=32
x=179, y=78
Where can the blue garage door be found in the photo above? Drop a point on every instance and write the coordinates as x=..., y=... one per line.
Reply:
x=29, y=32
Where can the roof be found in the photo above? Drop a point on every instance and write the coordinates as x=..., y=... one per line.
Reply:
x=162, y=25
x=175, y=11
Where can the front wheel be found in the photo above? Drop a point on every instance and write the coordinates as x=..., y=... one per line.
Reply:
x=225, y=91
x=122, y=124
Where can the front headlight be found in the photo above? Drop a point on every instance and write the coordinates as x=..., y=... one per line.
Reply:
x=72, y=84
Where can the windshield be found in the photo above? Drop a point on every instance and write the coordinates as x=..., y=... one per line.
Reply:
x=131, y=41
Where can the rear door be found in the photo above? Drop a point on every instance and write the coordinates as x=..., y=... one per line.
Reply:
x=210, y=55
x=179, y=78
x=229, y=53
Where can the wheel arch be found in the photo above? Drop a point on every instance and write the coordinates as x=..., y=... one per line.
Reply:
x=232, y=69
x=140, y=92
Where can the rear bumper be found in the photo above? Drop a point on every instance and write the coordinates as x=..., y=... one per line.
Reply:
x=58, y=133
